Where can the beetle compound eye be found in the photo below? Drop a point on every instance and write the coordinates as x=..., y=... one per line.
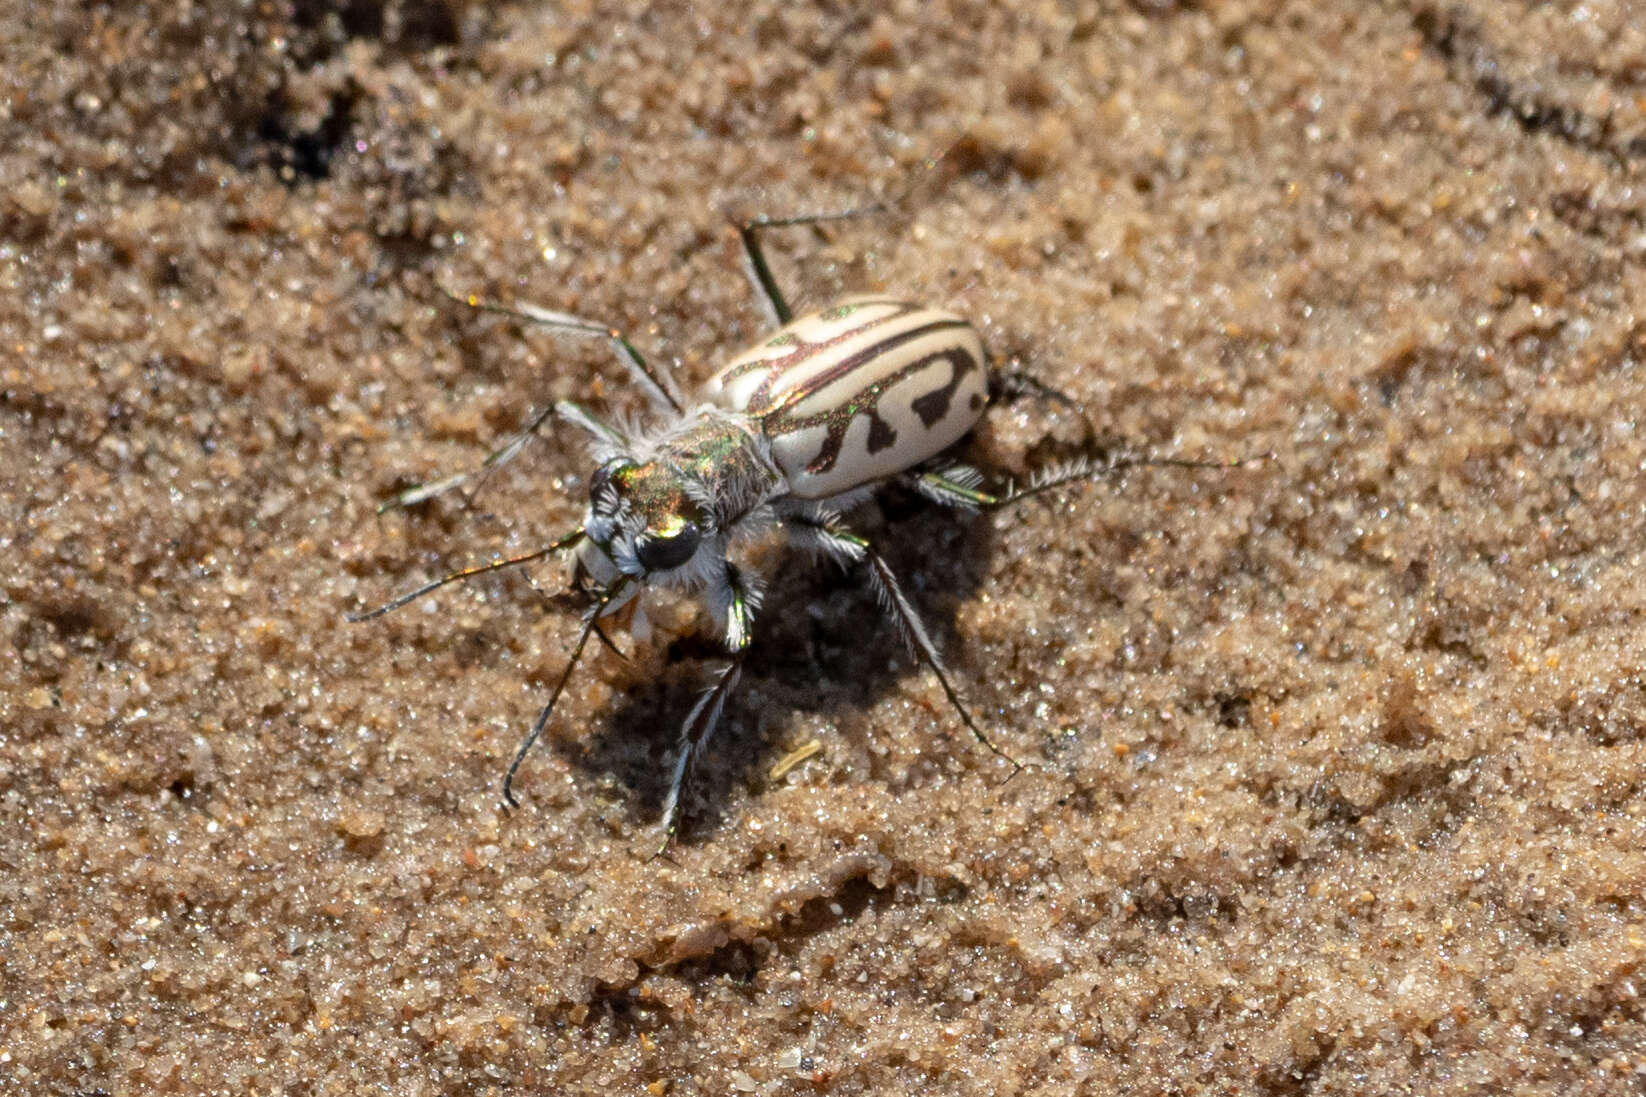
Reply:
x=659, y=552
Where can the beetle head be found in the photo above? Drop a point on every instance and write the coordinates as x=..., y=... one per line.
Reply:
x=643, y=520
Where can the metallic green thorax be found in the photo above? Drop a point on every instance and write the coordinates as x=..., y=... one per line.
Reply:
x=718, y=456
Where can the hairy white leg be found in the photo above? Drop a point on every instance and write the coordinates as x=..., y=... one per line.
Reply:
x=733, y=600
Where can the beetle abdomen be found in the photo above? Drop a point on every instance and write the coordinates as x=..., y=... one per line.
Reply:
x=859, y=391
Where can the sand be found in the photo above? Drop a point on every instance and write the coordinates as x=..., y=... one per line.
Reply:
x=1335, y=759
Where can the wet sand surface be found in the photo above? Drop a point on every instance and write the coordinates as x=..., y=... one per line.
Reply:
x=1336, y=759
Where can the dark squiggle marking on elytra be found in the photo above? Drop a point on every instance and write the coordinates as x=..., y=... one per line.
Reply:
x=836, y=421
x=934, y=406
x=881, y=433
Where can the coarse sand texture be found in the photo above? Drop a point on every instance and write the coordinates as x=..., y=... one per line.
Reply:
x=1335, y=762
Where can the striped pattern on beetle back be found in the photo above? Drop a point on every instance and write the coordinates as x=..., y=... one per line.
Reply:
x=859, y=391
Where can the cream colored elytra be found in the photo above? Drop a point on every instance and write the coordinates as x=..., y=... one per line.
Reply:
x=856, y=393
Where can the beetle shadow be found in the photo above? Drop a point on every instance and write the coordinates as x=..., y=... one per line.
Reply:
x=823, y=645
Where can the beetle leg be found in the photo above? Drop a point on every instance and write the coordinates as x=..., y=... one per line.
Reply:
x=657, y=385
x=1008, y=388
x=591, y=619
x=891, y=594
x=760, y=272
x=496, y=459
x=821, y=533
x=699, y=725
x=585, y=420
x=956, y=485
x=569, y=410
x=734, y=601
x=556, y=601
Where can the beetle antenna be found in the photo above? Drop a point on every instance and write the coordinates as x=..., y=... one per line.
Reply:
x=590, y=626
x=565, y=542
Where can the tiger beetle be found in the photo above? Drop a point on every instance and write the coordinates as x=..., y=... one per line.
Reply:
x=783, y=441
